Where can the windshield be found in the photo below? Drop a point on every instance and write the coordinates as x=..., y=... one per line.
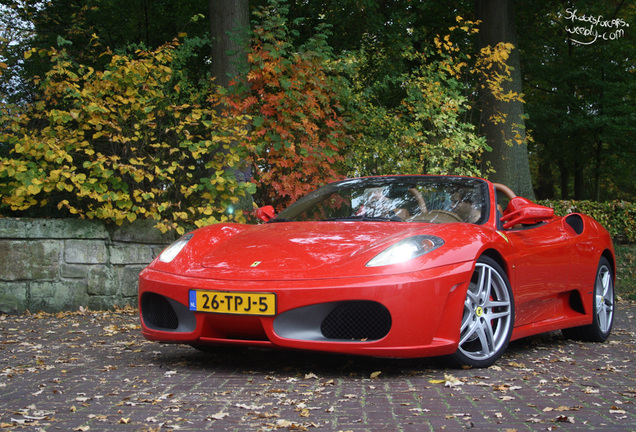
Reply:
x=434, y=199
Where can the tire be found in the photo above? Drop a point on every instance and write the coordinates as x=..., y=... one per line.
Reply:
x=488, y=316
x=603, y=302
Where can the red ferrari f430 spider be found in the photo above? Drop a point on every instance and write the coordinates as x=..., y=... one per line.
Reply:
x=389, y=266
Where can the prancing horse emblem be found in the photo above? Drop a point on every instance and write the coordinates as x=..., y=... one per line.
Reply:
x=255, y=264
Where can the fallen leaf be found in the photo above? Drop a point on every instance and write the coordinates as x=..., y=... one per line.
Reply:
x=218, y=416
x=452, y=381
x=266, y=415
x=250, y=407
x=376, y=374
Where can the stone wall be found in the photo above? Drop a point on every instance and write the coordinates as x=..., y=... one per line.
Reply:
x=61, y=264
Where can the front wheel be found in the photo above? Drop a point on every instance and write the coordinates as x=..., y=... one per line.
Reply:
x=602, y=310
x=488, y=316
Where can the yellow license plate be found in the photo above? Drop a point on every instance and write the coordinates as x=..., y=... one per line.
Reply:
x=238, y=303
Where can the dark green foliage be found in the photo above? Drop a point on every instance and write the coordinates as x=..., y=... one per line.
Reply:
x=626, y=271
x=580, y=99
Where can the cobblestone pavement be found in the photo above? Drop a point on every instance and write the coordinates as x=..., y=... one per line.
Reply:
x=93, y=371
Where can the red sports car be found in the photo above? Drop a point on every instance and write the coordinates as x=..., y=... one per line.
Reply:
x=391, y=266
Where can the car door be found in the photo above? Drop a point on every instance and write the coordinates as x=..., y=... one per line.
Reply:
x=543, y=254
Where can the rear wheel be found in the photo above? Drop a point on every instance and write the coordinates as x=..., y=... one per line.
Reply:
x=488, y=316
x=603, y=308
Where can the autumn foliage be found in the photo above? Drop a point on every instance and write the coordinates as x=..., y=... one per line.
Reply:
x=140, y=139
x=430, y=130
x=130, y=141
x=298, y=132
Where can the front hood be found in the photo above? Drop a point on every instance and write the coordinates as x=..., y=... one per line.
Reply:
x=300, y=247
x=302, y=250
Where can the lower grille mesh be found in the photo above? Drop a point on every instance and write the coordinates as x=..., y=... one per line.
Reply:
x=159, y=312
x=357, y=320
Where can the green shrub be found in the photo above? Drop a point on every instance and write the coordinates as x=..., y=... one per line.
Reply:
x=618, y=217
x=626, y=271
x=132, y=141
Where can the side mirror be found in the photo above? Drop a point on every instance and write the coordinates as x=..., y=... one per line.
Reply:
x=523, y=211
x=265, y=213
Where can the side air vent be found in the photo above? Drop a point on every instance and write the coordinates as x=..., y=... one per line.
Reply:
x=576, y=222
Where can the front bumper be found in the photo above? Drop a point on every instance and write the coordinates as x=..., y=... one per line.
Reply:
x=414, y=314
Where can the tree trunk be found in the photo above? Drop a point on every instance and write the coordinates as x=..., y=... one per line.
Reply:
x=565, y=179
x=229, y=26
x=579, y=181
x=229, y=30
x=545, y=181
x=509, y=159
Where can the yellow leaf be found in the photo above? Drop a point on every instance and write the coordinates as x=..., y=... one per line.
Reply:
x=33, y=189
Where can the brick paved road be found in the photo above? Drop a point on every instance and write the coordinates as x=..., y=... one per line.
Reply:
x=93, y=371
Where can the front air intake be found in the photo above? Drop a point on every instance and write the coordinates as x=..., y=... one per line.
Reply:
x=357, y=320
x=158, y=313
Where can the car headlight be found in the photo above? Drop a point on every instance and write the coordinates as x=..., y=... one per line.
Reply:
x=407, y=249
x=173, y=250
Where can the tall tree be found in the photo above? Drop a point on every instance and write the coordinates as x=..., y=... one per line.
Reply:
x=502, y=119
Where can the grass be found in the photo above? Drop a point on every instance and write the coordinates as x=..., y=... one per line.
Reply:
x=626, y=271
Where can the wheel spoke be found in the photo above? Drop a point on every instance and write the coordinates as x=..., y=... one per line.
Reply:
x=603, y=318
x=486, y=338
x=485, y=283
x=497, y=304
x=471, y=298
x=470, y=331
x=466, y=320
x=491, y=316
